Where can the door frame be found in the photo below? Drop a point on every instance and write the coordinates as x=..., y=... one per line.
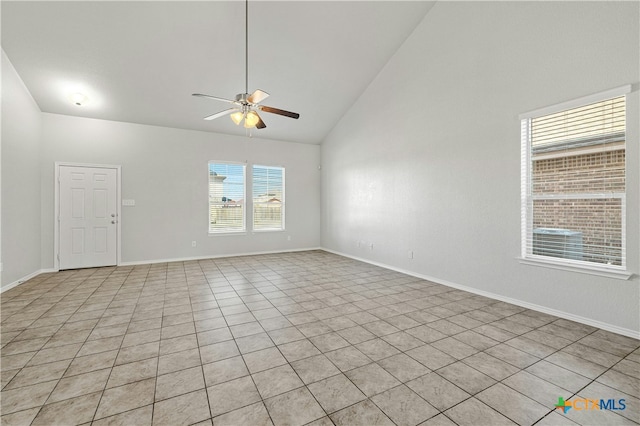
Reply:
x=56, y=212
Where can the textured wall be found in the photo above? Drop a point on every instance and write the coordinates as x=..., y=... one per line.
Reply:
x=428, y=159
x=21, y=133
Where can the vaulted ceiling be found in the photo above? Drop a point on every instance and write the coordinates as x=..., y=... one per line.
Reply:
x=140, y=61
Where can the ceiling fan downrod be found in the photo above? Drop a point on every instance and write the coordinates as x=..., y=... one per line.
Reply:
x=246, y=47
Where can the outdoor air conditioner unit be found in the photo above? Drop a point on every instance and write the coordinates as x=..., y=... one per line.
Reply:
x=557, y=242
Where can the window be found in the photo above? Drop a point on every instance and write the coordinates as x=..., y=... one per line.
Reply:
x=226, y=197
x=268, y=198
x=573, y=183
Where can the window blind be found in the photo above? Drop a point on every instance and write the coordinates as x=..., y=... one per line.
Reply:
x=226, y=197
x=268, y=198
x=600, y=122
x=574, y=195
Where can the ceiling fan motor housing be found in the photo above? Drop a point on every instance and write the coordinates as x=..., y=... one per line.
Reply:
x=242, y=98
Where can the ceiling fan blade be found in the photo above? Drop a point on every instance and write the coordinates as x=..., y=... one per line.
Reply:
x=258, y=96
x=279, y=111
x=214, y=97
x=220, y=114
x=260, y=124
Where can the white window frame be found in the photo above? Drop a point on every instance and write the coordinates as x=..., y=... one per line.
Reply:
x=526, y=216
x=284, y=198
x=244, y=197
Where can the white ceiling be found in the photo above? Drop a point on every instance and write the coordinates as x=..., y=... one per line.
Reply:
x=140, y=62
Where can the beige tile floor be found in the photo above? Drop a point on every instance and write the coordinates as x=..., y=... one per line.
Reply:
x=294, y=339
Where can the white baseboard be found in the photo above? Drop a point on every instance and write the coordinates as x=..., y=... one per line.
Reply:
x=561, y=314
x=217, y=256
x=24, y=279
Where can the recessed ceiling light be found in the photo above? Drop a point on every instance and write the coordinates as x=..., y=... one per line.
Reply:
x=78, y=98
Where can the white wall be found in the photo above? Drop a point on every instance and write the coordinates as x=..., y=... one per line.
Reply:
x=166, y=172
x=428, y=159
x=21, y=133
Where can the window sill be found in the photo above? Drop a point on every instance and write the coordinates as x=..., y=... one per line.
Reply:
x=227, y=234
x=261, y=231
x=583, y=269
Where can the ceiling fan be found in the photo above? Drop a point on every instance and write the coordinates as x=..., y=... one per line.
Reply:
x=246, y=106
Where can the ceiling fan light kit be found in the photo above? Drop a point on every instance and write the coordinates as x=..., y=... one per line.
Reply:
x=251, y=119
x=246, y=105
x=237, y=117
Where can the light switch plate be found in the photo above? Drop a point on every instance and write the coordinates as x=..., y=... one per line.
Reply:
x=129, y=203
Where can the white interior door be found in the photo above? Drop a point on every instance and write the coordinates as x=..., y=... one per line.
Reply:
x=88, y=217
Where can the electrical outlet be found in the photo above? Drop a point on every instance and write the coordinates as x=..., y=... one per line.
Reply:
x=410, y=254
x=288, y=237
x=370, y=246
x=193, y=243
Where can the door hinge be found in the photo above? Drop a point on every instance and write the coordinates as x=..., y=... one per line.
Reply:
x=58, y=256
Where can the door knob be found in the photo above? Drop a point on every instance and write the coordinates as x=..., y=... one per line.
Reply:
x=113, y=222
